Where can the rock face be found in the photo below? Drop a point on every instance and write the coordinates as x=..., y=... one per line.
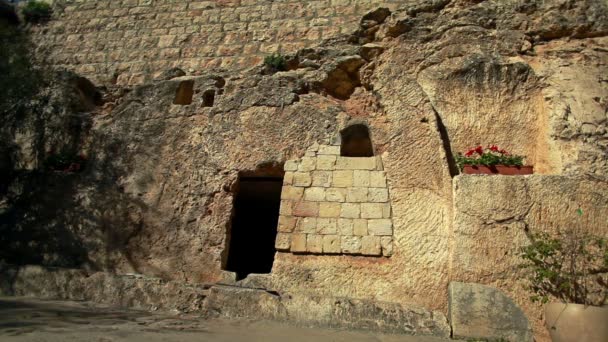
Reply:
x=485, y=313
x=429, y=79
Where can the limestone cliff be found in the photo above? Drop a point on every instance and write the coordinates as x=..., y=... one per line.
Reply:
x=429, y=79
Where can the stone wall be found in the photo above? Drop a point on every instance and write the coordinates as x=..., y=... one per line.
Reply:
x=335, y=205
x=130, y=41
x=489, y=230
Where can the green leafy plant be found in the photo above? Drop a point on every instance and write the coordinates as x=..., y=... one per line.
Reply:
x=276, y=62
x=36, y=11
x=571, y=265
x=493, y=155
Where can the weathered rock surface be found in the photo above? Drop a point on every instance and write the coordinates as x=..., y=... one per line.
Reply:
x=482, y=312
x=140, y=292
x=157, y=194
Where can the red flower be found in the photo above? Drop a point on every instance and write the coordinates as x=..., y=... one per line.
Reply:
x=504, y=152
x=479, y=150
x=494, y=148
x=470, y=153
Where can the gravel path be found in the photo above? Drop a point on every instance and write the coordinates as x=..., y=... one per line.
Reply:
x=32, y=320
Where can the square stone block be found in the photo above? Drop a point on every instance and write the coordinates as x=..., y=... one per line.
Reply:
x=335, y=195
x=378, y=195
x=329, y=209
x=350, y=244
x=377, y=179
x=282, y=242
x=314, y=243
x=350, y=210
x=342, y=179
x=314, y=194
x=331, y=244
x=356, y=195
x=286, y=208
x=313, y=148
x=306, y=209
x=291, y=193
x=298, y=243
x=380, y=227
x=291, y=165
x=327, y=226
x=360, y=227
x=286, y=224
x=356, y=163
x=386, y=242
x=288, y=178
x=326, y=162
x=321, y=179
x=346, y=226
x=361, y=178
x=373, y=210
x=370, y=245
x=307, y=164
x=329, y=150
x=307, y=225
x=302, y=179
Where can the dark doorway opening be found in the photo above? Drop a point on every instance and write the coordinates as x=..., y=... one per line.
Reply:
x=254, y=225
x=356, y=142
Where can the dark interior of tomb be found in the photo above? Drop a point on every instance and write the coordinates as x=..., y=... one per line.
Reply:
x=254, y=225
x=356, y=142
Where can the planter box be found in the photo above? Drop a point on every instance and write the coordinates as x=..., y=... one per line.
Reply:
x=575, y=322
x=498, y=170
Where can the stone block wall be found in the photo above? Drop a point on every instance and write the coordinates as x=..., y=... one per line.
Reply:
x=335, y=205
x=131, y=41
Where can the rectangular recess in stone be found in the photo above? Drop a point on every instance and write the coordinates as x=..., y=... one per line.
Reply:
x=184, y=93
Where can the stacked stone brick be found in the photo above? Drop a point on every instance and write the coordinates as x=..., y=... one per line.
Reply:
x=130, y=41
x=335, y=205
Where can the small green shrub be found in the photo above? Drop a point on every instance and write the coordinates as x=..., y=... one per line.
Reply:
x=571, y=265
x=276, y=62
x=36, y=11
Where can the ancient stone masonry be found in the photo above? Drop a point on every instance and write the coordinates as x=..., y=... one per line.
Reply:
x=335, y=205
x=131, y=41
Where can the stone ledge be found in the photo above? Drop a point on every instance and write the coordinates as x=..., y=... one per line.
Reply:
x=239, y=300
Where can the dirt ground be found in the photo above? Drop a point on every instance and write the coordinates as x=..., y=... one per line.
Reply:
x=33, y=320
